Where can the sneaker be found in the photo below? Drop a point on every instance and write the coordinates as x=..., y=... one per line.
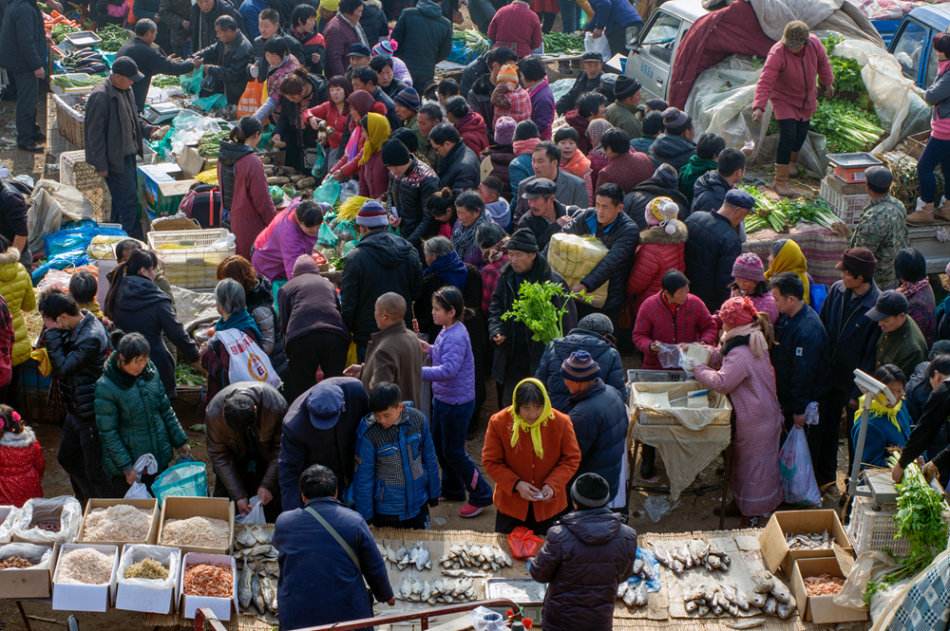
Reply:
x=469, y=510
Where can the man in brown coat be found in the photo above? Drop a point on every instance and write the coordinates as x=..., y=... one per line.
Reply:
x=243, y=423
x=393, y=354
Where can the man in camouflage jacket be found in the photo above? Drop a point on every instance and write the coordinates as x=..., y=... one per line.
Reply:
x=882, y=227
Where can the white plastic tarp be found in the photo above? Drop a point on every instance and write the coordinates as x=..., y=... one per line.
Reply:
x=775, y=14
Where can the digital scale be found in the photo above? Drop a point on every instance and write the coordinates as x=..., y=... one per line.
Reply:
x=879, y=486
x=160, y=113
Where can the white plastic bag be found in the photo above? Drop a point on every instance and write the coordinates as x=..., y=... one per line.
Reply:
x=247, y=361
x=38, y=555
x=798, y=476
x=255, y=517
x=484, y=619
x=63, y=510
x=145, y=464
x=597, y=45
x=6, y=522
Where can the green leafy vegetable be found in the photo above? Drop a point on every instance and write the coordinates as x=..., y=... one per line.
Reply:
x=785, y=213
x=846, y=126
x=541, y=308
x=113, y=37
x=164, y=81
x=562, y=43
x=185, y=375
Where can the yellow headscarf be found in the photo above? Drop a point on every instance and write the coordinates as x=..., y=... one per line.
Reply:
x=377, y=132
x=791, y=259
x=879, y=407
x=521, y=425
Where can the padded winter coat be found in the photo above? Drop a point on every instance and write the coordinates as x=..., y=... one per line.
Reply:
x=78, y=357
x=620, y=238
x=658, y=253
x=606, y=356
x=657, y=322
x=17, y=289
x=21, y=467
x=788, y=80
x=600, y=424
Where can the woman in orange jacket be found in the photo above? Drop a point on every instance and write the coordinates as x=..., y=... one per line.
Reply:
x=531, y=453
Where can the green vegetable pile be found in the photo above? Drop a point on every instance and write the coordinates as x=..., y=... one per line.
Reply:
x=919, y=521
x=185, y=375
x=60, y=31
x=113, y=37
x=210, y=144
x=164, y=81
x=537, y=308
x=786, y=213
x=67, y=82
x=555, y=43
x=472, y=39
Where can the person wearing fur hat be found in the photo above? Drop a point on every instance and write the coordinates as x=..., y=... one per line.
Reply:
x=748, y=274
x=583, y=560
x=788, y=81
x=22, y=456
x=661, y=248
x=746, y=375
x=508, y=97
x=663, y=184
x=624, y=112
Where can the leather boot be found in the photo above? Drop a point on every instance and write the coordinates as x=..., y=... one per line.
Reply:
x=923, y=215
x=780, y=184
x=793, y=164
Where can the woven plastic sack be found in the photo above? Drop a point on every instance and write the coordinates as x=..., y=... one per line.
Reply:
x=185, y=479
x=573, y=257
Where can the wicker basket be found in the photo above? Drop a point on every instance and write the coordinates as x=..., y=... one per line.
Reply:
x=874, y=530
x=75, y=171
x=847, y=205
x=191, y=257
x=70, y=122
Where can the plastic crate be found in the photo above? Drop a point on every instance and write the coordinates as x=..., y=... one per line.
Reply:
x=71, y=123
x=190, y=258
x=848, y=206
x=874, y=529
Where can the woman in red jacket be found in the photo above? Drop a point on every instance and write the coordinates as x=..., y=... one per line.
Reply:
x=661, y=249
x=244, y=185
x=21, y=460
x=336, y=113
x=788, y=81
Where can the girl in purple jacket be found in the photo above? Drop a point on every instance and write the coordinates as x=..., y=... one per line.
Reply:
x=452, y=374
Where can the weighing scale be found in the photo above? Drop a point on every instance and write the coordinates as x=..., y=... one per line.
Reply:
x=879, y=486
x=160, y=113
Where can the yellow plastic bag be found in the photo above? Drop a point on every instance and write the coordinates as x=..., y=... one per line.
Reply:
x=351, y=357
x=574, y=257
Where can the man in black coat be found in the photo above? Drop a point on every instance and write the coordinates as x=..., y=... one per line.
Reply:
x=227, y=61
x=78, y=347
x=713, y=246
x=13, y=223
x=425, y=39
x=320, y=428
x=663, y=183
x=150, y=59
x=620, y=235
x=710, y=188
x=593, y=66
x=24, y=54
x=204, y=14
x=411, y=184
x=459, y=168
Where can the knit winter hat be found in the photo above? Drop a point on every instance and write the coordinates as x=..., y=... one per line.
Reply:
x=580, y=366
x=407, y=137
x=661, y=211
x=408, y=97
x=674, y=119
x=666, y=176
x=858, y=262
x=526, y=130
x=738, y=311
x=395, y=154
x=507, y=73
x=330, y=5
x=523, y=240
x=590, y=490
x=372, y=215
x=749, y=267
x=624, y=87
x=598, y=323
x=505, y=130
x=386, y=48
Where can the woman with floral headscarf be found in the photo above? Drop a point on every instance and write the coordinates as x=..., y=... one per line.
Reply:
x=746, y=375
x=374, y=178
x=531, y=453
x=662, y=247
x=596, y=155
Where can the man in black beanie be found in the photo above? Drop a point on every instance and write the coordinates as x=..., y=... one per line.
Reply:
x=411, y=183
x=624, y=112
x=511, y=363
x=585, y=556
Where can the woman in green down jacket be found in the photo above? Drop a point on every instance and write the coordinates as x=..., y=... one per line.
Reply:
x=133, y=413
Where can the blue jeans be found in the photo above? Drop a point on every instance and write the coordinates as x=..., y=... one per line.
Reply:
x=570, y=16
x=125, y=198
x=936, y=152
x=459, y=472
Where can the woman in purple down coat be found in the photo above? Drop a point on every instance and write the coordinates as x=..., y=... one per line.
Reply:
x=292, y=232
x=746, y=375
x=452, y=374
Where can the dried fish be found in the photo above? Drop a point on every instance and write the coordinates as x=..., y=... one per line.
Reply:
x=473, y=556
x=809, y=540
x=204, y=579
x=695, y=553
x=245, y=595
x=439, y=591
x=823, y=585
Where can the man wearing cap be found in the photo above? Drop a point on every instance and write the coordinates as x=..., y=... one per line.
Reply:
x=411, y=184
x=516, y=354
x=624, y=112
x=592, y=65
x=243, y=423
x=150, y=59
x=607, y=222
x=380, y=262
x=320, y=428
x=226, y=61
x=113, y=138
x=675, y=147
x=599, y=417
x=882, y=227
x=341, y=33
x=714, y=245
x=356, y=58
x=24, y=54
x=852, y=343
x=901, y=342
x=585, y=556
x=425, y=38
x=546, y=161
x=517, y=27
x=546, y=215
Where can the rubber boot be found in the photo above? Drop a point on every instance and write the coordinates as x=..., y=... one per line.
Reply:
x=793, y=164
x=943, y=212
x=923, y=215
x=780, y=184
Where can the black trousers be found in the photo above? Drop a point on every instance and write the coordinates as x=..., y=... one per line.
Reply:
x=80, y=455
x=28, y=90
x=791, y=136
x=307, y=353
x=419, y=522
x=823, y=438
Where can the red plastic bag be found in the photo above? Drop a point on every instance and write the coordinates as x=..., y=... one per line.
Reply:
x=524, y=543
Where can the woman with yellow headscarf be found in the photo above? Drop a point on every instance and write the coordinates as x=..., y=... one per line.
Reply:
x=786, y=256
x=374, y=178
x=531, y=453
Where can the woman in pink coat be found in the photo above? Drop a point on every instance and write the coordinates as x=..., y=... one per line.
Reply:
x=788, y=80
x=746, y=375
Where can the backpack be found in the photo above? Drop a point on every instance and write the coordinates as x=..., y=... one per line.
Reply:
x=204, y=203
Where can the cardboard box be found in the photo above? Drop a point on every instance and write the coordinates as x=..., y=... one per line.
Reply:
x=31, y=582
x=775, y=550
x=221, y=607
x=93, y=504
x=822, y=609
x=185, y=507
x=144, y=595
x=192, y=163
x=162, y=187
x=75, y=597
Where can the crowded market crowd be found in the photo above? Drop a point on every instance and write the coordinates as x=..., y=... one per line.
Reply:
x=377, y=382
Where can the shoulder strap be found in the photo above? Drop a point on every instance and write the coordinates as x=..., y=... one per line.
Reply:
x=336, y=536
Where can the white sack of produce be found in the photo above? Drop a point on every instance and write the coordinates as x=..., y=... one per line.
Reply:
x=574, y=257
x=48, y=520
x=773, y=15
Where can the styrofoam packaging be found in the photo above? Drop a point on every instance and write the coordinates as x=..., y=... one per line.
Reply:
x=148, y=595
x=222, y=607
x=74, y=597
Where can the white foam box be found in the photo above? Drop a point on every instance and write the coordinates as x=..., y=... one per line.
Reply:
x=222, y=607
x=148, y=596
x=74, y=597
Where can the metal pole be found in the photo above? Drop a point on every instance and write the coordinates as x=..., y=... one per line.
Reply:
x=859, y=446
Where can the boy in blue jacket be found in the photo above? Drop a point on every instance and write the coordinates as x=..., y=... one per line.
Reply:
x=397, y=471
